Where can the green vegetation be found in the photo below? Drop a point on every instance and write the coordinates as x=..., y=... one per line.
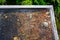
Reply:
x=55, y=3
x=2, y=1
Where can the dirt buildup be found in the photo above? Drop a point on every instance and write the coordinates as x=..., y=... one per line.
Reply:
x=27, y=25
x=35, y=26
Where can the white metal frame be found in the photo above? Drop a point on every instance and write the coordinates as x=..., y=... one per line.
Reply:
x=50, y=7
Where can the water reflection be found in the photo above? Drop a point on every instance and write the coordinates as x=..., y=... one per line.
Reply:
x=24, y=24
